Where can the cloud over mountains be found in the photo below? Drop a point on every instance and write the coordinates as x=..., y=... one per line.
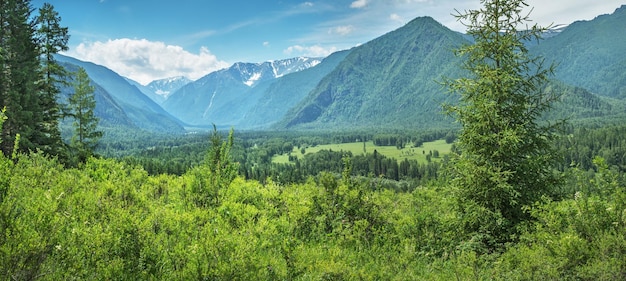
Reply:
x=145, y=61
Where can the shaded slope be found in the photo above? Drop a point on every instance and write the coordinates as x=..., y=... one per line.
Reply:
x=276, y=98
x=141, y=110
x=223, y=97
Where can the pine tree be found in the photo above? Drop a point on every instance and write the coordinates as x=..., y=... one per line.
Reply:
x=19, y=74
x=52, y=39
x=506, y=158
x=81, y=106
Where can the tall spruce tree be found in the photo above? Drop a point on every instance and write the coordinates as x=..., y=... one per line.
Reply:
x=19, y=74
x=52, y=39
x=506, y=157
x=81, y=106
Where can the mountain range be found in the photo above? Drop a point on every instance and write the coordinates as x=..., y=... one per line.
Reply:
x=119, y=103
x=223, y=97
x=389, y=82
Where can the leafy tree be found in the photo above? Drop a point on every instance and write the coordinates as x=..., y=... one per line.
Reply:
x=52, y=39
x=506, y=154
x=81, y=105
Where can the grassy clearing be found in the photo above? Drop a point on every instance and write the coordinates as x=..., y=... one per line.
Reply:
x=357, y=148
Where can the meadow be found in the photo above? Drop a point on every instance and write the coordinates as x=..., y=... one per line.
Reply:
x=410, y=152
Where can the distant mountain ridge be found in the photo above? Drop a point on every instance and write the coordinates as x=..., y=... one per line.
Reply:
x=223, y=97
x=389, y=82
x=167, y=86
x=590, y=54
x=129, y=103
x=277, y=97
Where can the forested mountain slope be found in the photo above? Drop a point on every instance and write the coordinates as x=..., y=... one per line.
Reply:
x=390, y=81
x=590, y=54
x=124, y=99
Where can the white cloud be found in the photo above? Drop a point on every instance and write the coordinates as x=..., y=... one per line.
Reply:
x=396, y=18
x=266, y=44
x=342, y=30
x=309, y=51
x=358, y=4
x=145, y=61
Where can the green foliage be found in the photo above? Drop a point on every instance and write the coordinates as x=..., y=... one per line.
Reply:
x=506, y=155
x=52, y=39
x=111, y=220
x=81, y=106
x=19, y=77
x=581, y=237
x=29, y=78
x=217, y=172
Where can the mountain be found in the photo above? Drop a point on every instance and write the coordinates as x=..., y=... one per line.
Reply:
x=111, y=114
x=590, y=54
x=391, y=82
x=285, y=92
x=149, y=92
x=388, y=82
x=125, y=104
x=223, y=97
x=164, y=87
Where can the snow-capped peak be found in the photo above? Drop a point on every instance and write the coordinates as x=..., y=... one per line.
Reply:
x=252, y=73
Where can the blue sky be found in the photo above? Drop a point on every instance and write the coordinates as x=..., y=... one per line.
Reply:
x=151, y=39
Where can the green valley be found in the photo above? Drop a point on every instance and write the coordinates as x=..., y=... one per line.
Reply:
x=434, y=151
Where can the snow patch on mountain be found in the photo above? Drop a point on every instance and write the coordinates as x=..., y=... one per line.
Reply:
x=251, y=74
x=167, y=86
x=255, y=77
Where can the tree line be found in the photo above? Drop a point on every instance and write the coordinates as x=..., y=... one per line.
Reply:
x=30, y=81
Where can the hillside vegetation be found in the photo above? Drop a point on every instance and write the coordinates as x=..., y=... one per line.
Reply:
x=111, y=220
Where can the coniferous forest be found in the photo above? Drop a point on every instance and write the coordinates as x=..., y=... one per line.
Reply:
x=508, y=194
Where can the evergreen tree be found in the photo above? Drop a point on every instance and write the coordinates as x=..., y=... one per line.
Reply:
x=19, y=74
x=505, y=163
x=81, y=106
x=52, y=39
x=219, y=163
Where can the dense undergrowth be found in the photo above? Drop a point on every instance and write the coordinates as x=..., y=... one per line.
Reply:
x=109, y=220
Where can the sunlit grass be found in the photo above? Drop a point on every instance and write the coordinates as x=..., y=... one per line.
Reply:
x=358, y=148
